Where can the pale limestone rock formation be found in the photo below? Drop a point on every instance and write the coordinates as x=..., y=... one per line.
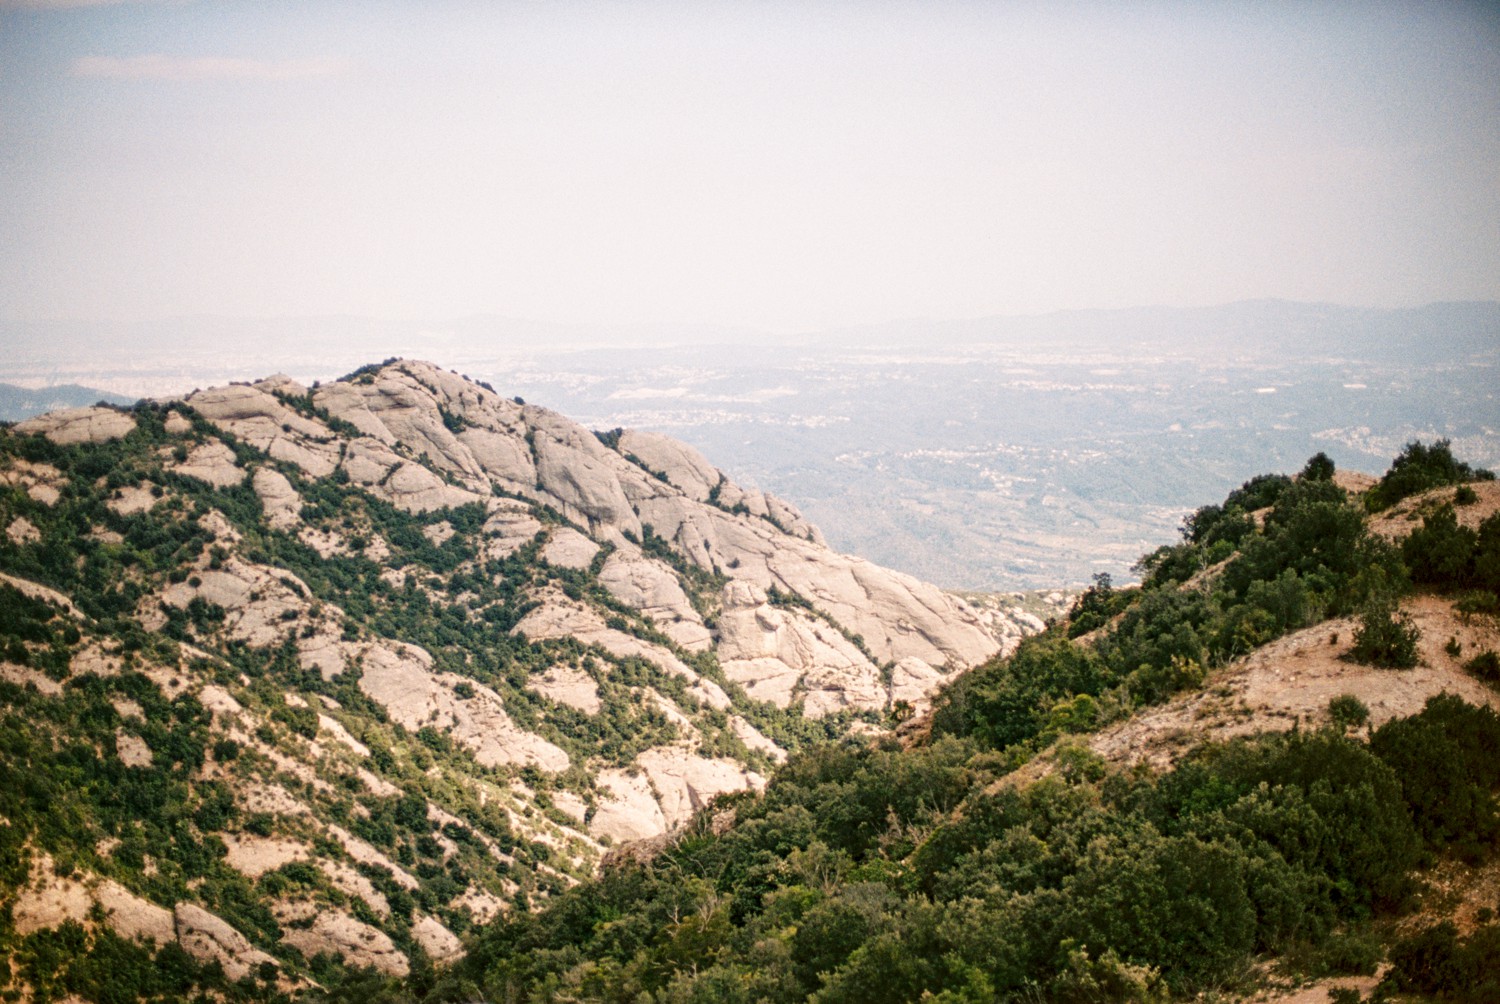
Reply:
x=352, y=883
x=577, y=470
x=333, y=931
x=69, y=426
x=208, y=938
x=281, y=502
x=567, y=548
x=260, y=604
x=219, y=701
x=476, y=439
x=214, y=463
x=664, y=789
x=571, y=805
x=47, y=495
x=509, y=527
x=131, y=499
x=404, y=683
x=125, y=707
x=755, y=740
x=272, y=798
x=25, y=676
x=254, y=855
x=559, y=617
x=780, y=653
x=685, y=782
x=483, y=905
x=631, y=811
x=132, y=917
x=37, y=591
x=260, y=419
x=684, y=466
x=40, y=480
x=49, y=899
x=441, y=944
x=22, y=531
x=651, y=587
x=569, y=686
x=132, y=749
x=177, y=424
x=416, y=489
x=913, y=681
x=336, y=729
x=365, y=854
x=686, y=730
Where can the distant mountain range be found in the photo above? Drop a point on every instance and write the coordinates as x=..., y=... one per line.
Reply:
x=17, y=403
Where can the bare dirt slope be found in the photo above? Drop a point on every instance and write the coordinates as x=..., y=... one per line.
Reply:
x=1288, y=684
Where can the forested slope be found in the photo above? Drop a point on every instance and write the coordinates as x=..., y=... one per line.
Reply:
x=302, y=681
x=994, y=855
x=345, y=692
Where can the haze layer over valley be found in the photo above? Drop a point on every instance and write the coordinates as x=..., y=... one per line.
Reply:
x=986, y=455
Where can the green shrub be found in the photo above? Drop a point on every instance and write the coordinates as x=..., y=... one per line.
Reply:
x=1418, y=468
x=1486, y=666
x=1319, y=467
x=1437, y=962
x=1348, y=711
x=1386, y=637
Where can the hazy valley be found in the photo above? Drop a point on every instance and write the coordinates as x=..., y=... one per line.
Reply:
x=1012, y=453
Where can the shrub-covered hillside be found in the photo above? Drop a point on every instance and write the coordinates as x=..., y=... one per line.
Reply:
x=346, y=692
x=301, y=681
x=996, y=855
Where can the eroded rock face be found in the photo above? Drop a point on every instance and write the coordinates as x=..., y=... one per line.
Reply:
x=440, y=944
x=79, y=425
x=403, y=681
x=214, y=463
x=477, y=439
x=650, y=586
x=556, y=616
x=312, y=928
x=560, y=630
x=209, y=938
x=854, y=637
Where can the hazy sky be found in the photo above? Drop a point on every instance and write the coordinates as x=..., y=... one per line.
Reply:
x=767, y=164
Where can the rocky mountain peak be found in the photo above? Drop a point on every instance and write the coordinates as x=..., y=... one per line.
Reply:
x=446, y=648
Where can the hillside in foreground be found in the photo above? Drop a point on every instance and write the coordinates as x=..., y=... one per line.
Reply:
x=1270, y=772
x=394, y=689
x=294, y=679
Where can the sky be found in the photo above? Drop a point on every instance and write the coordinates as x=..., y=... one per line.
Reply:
x=759, y=165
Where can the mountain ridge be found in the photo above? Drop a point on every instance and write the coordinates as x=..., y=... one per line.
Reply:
x=405, y=654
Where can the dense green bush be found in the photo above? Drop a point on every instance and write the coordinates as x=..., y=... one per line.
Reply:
x=1435, y=961
x=878, y=874
x=1418, y=468
x=1386, y=637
